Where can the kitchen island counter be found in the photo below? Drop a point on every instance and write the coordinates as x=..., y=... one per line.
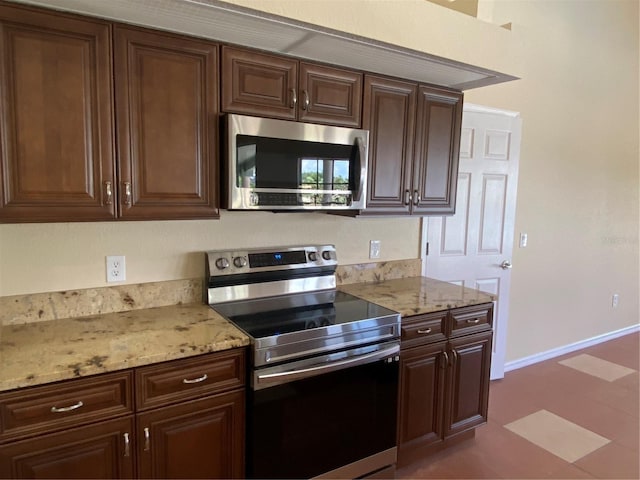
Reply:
x=417, y=295
x=43, y=352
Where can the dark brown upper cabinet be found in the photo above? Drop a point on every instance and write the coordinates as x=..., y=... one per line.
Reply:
x=260, y=84
x=436, y=152
x=413, y=147
x=56, y=118
x=58, y=157
x=167, y=120
x=389, y=115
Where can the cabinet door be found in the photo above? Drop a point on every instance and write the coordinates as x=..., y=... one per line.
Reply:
x=102, y=450
x=389, y=115
x=56, y=119
x=468, y=383
x=422, y=374
x=329, y=95
x=259, y=84
x=167, y=113
x=436, y=153
x=196, y=439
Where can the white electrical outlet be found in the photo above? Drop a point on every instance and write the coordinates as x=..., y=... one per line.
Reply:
x=374, y=249
x=116, y=268
x=614, y=300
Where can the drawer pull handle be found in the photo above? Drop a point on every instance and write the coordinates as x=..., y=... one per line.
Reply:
x=127, y=445
x=425, y=331
x=66, y=409
x=195, y=380
x=147, y=440
x=475, y=320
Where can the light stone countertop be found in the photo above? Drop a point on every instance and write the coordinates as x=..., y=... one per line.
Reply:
x=417, y=295
x=61, y=349
x=42, y=352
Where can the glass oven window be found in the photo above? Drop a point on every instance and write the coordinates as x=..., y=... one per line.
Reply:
x=312, y=426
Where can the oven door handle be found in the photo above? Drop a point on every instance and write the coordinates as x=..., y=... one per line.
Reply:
x=269, y=379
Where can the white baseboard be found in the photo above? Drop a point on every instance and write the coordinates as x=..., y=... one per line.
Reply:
x=556, y=352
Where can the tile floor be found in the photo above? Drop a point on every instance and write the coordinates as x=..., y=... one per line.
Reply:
x=575, y=416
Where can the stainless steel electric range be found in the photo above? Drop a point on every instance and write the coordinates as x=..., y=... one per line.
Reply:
x=323, y=366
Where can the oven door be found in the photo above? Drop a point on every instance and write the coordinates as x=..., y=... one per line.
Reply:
x=334, y=415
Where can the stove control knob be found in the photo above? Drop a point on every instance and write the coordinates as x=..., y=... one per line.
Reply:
x=327, y=255
x=222, y=263
x=313, y=256
x=239, y=262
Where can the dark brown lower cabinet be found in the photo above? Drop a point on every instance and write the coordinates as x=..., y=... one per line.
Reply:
x=468, y=388
x=422, y=383
x=187, y=421
x=444, y=392
x=102, y=450
x=197, y=439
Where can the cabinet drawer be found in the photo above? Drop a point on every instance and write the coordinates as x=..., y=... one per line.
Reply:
x=423, y=329
x=187, y=379
x=471, y=319
x=61, y=405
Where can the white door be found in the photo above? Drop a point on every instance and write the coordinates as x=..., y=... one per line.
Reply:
x=473, y=247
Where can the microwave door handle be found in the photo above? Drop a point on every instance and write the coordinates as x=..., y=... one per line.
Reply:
x=361, y=170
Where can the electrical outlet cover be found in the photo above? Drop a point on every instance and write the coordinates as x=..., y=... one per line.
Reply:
x=116, y=268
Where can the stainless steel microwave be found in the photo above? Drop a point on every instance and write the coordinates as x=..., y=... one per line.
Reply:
x=282, y=165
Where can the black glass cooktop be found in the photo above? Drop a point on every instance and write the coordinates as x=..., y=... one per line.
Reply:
x=272, y=316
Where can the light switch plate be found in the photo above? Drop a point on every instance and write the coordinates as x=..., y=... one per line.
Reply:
x=374, y=249
x=524, y=238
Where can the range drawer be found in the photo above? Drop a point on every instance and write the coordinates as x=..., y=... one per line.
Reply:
x=60, y=405
x=466, y=320
x=423, y=329
x=181, y=380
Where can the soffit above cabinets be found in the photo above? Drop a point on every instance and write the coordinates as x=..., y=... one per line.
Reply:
x=234, y=24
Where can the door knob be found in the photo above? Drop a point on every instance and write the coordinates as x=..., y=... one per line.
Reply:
x=506, y=265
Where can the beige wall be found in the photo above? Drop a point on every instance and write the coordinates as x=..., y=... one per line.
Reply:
x=578, y=188
x=64, y=256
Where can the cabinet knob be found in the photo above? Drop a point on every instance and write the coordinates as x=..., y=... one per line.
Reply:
x=305, y=103
x=416, y=197
x=425, y=331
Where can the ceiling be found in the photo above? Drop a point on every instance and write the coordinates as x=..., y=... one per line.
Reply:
x=231, y=23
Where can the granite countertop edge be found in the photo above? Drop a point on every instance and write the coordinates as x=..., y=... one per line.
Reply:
x=83, y=346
